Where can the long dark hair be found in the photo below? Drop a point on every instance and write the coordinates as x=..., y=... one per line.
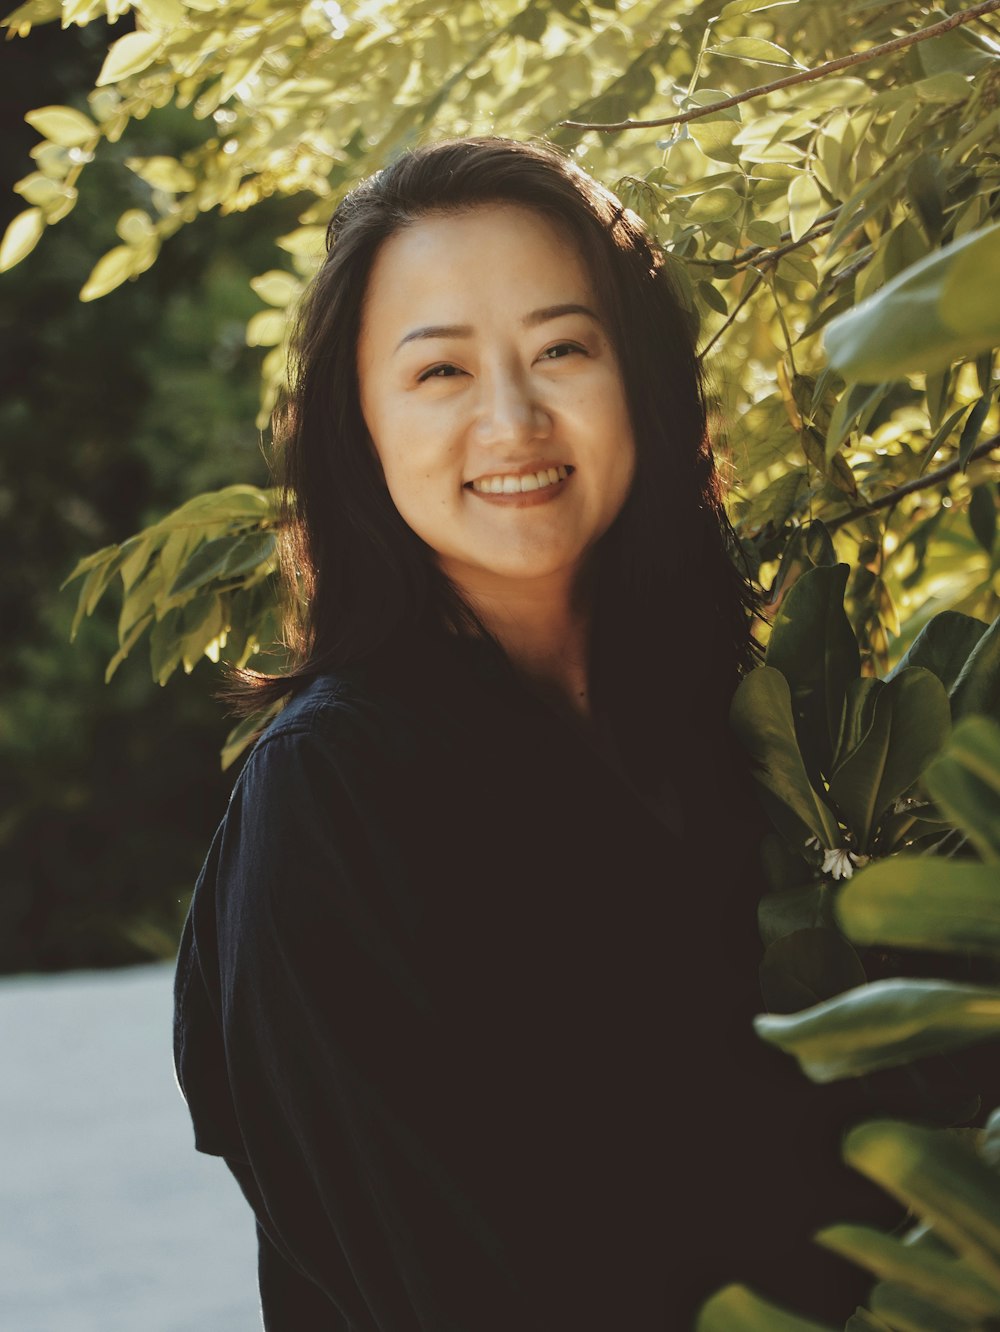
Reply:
x=671, y=613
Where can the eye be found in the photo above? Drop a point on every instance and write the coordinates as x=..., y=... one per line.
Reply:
x=558, y=352
x=444, y=371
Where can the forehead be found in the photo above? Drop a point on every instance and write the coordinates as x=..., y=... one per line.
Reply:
x=488, y=260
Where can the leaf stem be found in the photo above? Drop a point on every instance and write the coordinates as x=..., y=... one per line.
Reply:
x=804, y=76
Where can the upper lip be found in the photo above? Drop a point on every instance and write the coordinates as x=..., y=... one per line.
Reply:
x=520, y=471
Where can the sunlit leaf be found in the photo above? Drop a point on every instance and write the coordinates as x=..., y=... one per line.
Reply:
x=63, y=125
x=110, y=271
x=129, y=55
x=754, y=49
x=21, y=237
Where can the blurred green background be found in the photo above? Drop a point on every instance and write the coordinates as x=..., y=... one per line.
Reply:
x=110, y=414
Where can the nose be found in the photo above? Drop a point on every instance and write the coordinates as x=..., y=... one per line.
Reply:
x=509, y=411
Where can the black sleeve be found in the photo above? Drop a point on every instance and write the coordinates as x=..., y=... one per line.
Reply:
x=328, y=1042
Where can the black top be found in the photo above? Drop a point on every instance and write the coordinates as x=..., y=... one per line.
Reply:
x=469, y=1022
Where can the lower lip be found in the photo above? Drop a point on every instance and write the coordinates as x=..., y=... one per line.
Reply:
x=523, y=499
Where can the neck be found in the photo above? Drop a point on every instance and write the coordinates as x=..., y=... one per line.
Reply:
x=544, y=628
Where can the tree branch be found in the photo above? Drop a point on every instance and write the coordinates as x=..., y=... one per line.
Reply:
x=908, y=487
x=804, y=76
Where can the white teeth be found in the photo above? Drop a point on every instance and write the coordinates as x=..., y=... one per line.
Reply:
x=516, y=485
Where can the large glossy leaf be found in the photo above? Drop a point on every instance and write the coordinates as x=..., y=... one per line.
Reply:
x=965, y=782
x=946, y=1183
x=910, y=721
x=934, y=312
x=934, y=1275
x=737, y=1309
x=883, y=1025
x=977, y=688
x=761, y=716
x=905, y=1311
x=923, y=902
x=806, y=967
x=943, y=646
x=806, y=907
x=814, y=647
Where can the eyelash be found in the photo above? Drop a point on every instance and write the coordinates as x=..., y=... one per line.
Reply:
x=433, y=372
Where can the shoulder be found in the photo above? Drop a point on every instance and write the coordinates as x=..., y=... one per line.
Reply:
x=345, y=724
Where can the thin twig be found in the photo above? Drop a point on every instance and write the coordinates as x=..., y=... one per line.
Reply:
x=804, y=76
x=745, y=296
x=908, y=487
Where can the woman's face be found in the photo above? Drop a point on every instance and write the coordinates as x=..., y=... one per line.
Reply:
x=486, y=370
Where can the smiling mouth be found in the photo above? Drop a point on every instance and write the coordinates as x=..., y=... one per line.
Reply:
x=508, y=484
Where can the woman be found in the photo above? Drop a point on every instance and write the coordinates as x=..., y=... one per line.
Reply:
x=463, y=997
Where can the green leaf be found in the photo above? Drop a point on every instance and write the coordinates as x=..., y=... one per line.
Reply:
x=933, y=313
x=737, y=7
x=714, y=133
x=933, y=1275
x=63, y=125
x=972, y=428
x=712, y=297
x=943, y=646
x=277, y=287
x=813, y=645
x=909, y=1312
x=965, y=783
x=266, y=328
x=129, y=55
x=977, y=688
x=883, y=1025
x=243, y=735
x=858, y=715
x=715, y=206
x=110, y=271
x=127, y=644
x=923, y=902
x=738, y=1309
x=910, y=722
x=761, y=717
x=856, y=401
x=225, y=559
x=754, y=49
x=806, y=967
x=802, y=907
x=21, y=237
x=983, y=514
x=805, y=203
x=162, y=173
x=938, y=1175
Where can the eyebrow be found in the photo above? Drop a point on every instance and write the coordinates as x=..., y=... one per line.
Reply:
x=532, y=320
